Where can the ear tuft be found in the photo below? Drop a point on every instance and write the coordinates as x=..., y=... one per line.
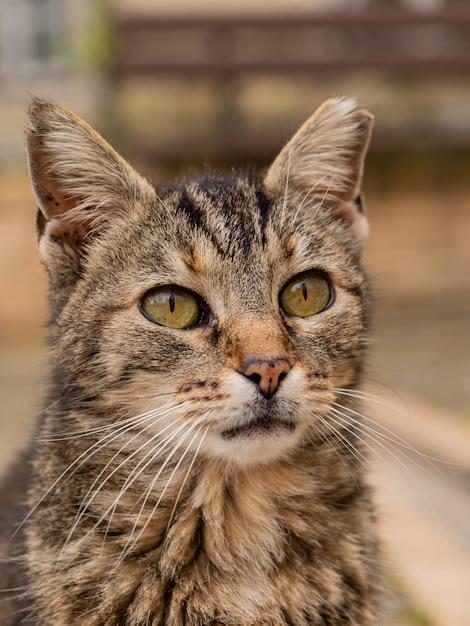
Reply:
x=322, y=165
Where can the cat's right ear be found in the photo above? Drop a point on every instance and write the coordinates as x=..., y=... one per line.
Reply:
x=81, y=184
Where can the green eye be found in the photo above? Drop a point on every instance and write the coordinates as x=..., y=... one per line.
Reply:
x=306, y=294
x=173, y=307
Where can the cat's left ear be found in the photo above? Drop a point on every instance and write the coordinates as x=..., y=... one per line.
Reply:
x=321, y=167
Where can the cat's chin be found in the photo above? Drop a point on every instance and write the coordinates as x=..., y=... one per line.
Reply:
x=259, y=427
x=255, y=446
x=264, y=436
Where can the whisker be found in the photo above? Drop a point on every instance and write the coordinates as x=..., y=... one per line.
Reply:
x=129, y=481
x=79, y=434
x=164, y=205
x=341, y=420
x=130, y=546
x=343, y=440
x=137, y=471
x=391, y=391
x=185, y=479
x=76, y=434
x=85, y=456
x=92, y=492
x=358, y=455
x=393, y=438
x=367, y=396
x=345, y=420
x=311, y=190
x=286, y=194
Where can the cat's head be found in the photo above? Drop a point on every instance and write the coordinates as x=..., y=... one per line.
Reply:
x=220, y=313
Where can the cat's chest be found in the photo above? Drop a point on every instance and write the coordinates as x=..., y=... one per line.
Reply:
x=265, y=547
x=224, y=575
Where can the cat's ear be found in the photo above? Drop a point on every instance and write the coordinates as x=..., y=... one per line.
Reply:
x=322, y=165
x=80, y=182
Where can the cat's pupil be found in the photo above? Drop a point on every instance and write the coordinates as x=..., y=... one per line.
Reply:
x=304, y=290
x=172, y=302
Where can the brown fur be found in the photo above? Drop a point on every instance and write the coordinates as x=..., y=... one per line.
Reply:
x=166, y=519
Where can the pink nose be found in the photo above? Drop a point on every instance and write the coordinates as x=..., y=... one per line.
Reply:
x=267, y=374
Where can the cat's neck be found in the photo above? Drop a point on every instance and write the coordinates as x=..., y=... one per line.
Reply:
x=242, y=519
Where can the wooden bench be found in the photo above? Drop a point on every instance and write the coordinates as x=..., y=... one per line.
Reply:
x=391, y=39
x=223, y=49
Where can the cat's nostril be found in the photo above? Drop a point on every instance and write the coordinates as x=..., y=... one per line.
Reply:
x=256, y=378
x=267, y=375
x=281, y=377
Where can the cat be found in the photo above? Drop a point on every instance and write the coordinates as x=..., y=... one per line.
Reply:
x=199, y=459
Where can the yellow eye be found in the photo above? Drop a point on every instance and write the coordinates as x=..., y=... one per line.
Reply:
x=172, y=307
x=306, y=294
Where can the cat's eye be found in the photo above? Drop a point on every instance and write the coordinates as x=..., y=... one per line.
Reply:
x=306, y=294
x=173, y=307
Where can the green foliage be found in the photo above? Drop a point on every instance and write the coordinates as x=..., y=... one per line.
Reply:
x=94, y=42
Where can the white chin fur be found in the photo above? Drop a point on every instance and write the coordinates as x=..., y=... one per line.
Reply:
x=257, y=448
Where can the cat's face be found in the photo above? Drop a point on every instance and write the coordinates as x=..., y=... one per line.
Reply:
x=224, y=311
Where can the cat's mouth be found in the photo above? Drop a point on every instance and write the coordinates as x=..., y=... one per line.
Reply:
x=266, y=422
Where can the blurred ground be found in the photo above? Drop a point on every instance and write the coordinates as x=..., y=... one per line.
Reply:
x=419, y=260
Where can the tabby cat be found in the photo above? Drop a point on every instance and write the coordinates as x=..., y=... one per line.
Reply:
x=199, y=461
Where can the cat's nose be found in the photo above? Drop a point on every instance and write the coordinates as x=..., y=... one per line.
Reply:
x=266, y=373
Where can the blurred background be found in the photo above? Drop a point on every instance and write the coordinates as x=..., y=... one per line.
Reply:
x=180, y=85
